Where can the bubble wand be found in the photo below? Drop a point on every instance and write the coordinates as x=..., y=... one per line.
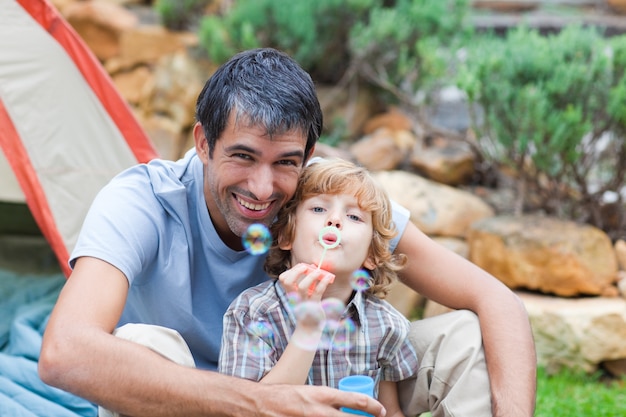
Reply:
x=328, y=230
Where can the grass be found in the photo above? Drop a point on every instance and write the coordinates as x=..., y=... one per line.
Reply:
x=574, y=394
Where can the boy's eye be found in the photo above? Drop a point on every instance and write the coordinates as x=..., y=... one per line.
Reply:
x=318, y=210
x=354, y=217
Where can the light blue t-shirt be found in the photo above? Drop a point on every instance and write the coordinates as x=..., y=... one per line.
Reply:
x=151, y=222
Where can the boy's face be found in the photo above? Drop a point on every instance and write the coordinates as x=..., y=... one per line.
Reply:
x=354, y=224
x=250, y=177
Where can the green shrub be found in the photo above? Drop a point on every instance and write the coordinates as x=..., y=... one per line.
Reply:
x=179, y=14
x=313, y=32
x=400, y=49
x=553, y=109
x=408, y=49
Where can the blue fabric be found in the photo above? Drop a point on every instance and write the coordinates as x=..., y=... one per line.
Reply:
x=151, y=223
x=25, y=305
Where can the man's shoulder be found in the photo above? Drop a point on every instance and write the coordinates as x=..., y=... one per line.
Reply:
x=158, y=177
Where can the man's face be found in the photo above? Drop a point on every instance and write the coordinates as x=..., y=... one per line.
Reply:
x=250, y=177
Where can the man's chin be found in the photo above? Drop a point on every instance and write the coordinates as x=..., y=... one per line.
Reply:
x=244, y=225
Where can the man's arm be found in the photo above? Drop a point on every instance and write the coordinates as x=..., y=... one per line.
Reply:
x=447, y=278
x=80, y=355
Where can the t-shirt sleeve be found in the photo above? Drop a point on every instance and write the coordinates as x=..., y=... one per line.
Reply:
x=401, y=217
x=122, y=225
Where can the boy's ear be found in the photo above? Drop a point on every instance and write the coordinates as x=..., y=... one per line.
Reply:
x=282, y=244
x=369, y=263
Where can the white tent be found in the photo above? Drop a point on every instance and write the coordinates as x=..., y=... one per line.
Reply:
x=64, y=129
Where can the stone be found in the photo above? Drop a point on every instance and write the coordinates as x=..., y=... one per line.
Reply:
x=346, y=110
x=393, y=119
x=545, y=254
x=620, y=252
x=444, y=160
x=383, y=149
x=177, y=80
x=433, y=309
x=166, y=135
x=132, y=84
x=617, y=5
x=100, y=25
x=326, y=151
x=509, y=6
x=621, y=283
x=403, y=298
x=576, y=333
x=616, y=367
x=459, y=246
x=436, y=209
x=147, y=44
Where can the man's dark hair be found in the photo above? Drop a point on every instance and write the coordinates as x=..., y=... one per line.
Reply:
x=266, y=88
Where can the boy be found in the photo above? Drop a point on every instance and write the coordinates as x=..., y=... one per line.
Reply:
x=339, y=219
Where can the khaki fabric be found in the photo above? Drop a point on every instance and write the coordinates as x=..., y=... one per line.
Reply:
x=166, y=342
x=452, y=379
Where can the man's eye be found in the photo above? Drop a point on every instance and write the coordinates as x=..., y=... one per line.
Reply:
x=287, y=162
x=242, y=156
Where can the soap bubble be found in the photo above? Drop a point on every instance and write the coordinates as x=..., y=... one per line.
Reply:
x=333, y=232
x=341, y=339
x=333, y=308
x=293, y=298
x=360, y=280
x=310, y=314
x=338, y=335
x=310, y=317
x=263, y=336
x=257, y=239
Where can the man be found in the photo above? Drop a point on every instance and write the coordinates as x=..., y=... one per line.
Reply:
x=162, y=246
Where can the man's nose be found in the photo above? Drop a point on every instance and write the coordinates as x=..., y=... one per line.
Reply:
x=261, y=182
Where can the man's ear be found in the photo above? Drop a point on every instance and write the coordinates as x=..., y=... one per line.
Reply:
x=309, y=155
x=202, y=144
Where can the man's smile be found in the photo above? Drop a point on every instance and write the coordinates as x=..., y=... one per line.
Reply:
x=252, y=206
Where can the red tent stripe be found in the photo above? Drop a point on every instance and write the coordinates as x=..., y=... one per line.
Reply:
x=18, y=158
x=96, y=77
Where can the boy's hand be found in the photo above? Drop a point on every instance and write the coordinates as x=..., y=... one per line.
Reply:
x=307, y=281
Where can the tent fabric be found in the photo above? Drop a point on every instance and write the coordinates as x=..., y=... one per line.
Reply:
x=65, y=131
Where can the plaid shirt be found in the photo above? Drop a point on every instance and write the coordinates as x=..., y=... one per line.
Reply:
x=258, y=324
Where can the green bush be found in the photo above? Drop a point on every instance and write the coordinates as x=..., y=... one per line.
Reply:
x=179, y=14
x=315, y=33
x=553, y=108
x=399, y=49
x=408, y=49
x=395, y=43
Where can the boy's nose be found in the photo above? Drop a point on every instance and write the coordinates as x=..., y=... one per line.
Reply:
x=334, y=221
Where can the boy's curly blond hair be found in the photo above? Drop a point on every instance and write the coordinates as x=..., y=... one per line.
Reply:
x=336, y=176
